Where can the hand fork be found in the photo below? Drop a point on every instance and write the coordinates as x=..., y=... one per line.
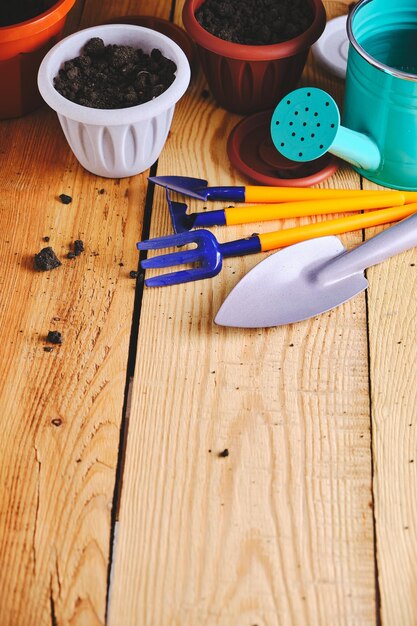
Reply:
x=208, y=253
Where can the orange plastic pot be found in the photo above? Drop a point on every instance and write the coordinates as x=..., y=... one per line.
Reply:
x=247, y=79
x=22, y=48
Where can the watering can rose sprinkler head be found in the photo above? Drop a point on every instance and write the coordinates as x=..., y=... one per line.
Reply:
x=306, y=124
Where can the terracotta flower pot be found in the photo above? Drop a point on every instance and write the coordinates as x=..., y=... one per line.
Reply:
x=22, y=48
x=246, y=79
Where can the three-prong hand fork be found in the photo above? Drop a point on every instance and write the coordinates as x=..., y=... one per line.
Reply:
x=208, y=253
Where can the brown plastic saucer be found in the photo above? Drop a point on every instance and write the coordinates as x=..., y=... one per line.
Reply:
x=251, y=151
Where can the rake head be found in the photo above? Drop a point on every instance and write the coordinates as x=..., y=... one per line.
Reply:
x=206, y=255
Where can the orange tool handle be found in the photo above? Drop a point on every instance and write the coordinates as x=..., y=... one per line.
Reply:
x=286, y=237
x=292, y=194
x=264, y=212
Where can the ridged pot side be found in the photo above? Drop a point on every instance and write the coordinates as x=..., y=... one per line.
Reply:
x=246, y=79
x=246, y=87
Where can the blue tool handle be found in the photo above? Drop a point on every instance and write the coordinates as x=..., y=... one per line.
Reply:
x=239, y=247
x=211, y=218
x=235, y=194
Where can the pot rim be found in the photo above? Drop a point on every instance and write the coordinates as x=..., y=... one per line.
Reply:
x=36, y=24
x=253, y=53
x=368, y=57
x=111, y=117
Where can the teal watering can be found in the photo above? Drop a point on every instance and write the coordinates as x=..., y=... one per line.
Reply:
x=379, y=132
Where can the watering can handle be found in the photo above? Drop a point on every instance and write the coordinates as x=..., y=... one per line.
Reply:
x=394, y=240
x=356, y=148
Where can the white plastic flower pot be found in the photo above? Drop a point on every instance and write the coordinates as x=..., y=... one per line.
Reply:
x=115, y=143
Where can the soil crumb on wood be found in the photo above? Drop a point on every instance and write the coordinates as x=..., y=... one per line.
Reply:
x=65, y=199
x=54, y=336
x=260, y=23
x=78, y=248
x=46, y=259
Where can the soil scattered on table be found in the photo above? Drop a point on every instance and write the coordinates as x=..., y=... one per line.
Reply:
x=46, y=259
x=113, y=76
x=17, y=12
x=260, y=23
x=78, y=248
x=65, y=199
x=54, y=336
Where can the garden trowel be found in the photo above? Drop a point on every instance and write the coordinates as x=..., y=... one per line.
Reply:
x=309, y=278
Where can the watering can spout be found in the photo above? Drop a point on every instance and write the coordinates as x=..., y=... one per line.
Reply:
x=356, y=148
x=306, y=124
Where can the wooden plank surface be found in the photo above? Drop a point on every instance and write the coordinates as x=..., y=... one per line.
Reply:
x=310, y=519
x=281, y=530
x=61, y=411
x=392, y=295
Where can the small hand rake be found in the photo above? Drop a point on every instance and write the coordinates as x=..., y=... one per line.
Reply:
x=208, y=253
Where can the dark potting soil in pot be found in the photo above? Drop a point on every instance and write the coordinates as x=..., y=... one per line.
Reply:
x=255, y=22
x=22, y=10
x=113, y=76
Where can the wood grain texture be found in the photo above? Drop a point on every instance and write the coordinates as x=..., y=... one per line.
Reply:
x=280, y=531
x=319, y=418
x=60, y=410
x=392, y=296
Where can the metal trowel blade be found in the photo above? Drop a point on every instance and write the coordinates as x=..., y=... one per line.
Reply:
x=286, y=287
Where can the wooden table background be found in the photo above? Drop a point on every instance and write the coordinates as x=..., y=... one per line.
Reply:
x=115, y=506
